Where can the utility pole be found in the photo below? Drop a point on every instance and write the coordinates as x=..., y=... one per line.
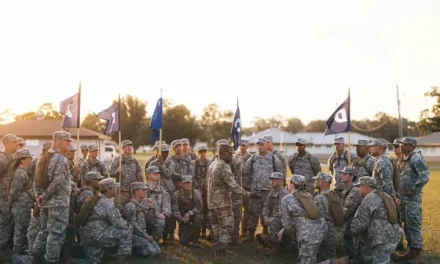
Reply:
x=400, y=117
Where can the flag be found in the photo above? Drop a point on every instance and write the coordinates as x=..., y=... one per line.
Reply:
x=70, y=108
x=339, y=121
x=236, y=128
x=156, y=122
x=112, y=116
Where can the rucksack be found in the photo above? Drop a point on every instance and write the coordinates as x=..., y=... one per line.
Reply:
x=390, y=206
x=336, y=209
x=87, y=209
x=41, y=170
x=356, y=162
x=309, y=205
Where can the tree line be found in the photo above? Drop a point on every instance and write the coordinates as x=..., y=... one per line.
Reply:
x=215, y=123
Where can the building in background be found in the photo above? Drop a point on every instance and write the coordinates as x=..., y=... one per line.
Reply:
x=429, y=145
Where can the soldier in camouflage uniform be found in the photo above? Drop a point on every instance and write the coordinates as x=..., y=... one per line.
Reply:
x=21, y=143
x=46, y=146
x=105, y=227
x=309, y=233
x=138, y=216
x=92, y=163
x=378, y=237
x=163, y=223
x=351, y=199
x=187, y=209
x=130, y=170
x=75, y=174
x=337, y=161
x=398, y=165
x=260, y=166
x=271, y=212
x=270, y=148
x=364, y=163
x=304, y=163
x=84, y=152
x=415, y=175
x=183, y=165
x=54, y=201
x=154, y=157
x=186, y=149
x=21, y=199
x=221, y=185
x=201, y=169
x=334, y=237
x=383, y=171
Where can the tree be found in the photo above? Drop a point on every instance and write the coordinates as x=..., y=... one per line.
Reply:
x=94, y=123
x=315, y=126
x=6, y=115
x=179, y=123
x=215, y=124
x=48, y=111
x=293, y=125
x=431, y=124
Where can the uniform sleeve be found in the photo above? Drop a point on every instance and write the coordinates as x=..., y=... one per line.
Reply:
x=291, y=163
x=198, y=206
x=235, y=170
x=278, y=165
x=191, y=169
x=130, y=214
x=139, y=172
x=370, y=165
x=114, y=217
x=321, y=204
x=283, y=163
x=113, y=167
x=60, y=170
x=286, y=220
x=103, y=169
x=361, y=219
x=84, y=169
x=351, y=204
x=316, y=165
x=268, y=205
x=168, y=169
x=166, y=204
x=229, y=180
x=19, y=179
x=175, y=205
x=4, y=163
x=329, y=163
x=386, y=173
x=422, y=171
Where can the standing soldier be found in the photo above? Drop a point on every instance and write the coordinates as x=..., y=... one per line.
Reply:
x=270, y=148
x=383, y=171
x=337, y=161
x=201, y=169
x=398, y=166
x=130, y=170
x=186, y=149
x=154, y=157
x=21, y=143
x=79, y=160
x=304, y=163
x=364, y=163
x=92, y=163
x=415, y=175
x=183, y=165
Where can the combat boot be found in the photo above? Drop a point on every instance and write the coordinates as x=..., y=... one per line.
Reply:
x=203, y=235
x=409, y=255
x=417, y=257
x=250, y=237
x=265, y=230
x=264, y=240
x=122, y=260
x=220, y=253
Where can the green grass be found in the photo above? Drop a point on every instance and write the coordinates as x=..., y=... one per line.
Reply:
x=253, y=254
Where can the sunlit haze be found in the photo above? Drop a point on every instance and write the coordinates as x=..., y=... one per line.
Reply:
x=290, y=58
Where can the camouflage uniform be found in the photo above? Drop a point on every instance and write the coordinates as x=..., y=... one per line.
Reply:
x=190, y=154
x=378, y=237
x=365, y=165
x=309, y=233
x=55, y=206
x=105, y=228
x=383, y=171
x=415, y=175
x=246, y=184
x=188, y=202
x=279, y=155
x=149, y=160
x=183, y=165
x=338, y=162
x=89, y=165
x=201, y=169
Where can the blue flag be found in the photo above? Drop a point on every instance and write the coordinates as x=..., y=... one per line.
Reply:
x=156, y=122
x=113, y=118
x=339, y=121
x=70, y=108
x=236, y=128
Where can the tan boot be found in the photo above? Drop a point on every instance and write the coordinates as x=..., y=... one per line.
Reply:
x=250, y=237
x=409, y=255
x=417, y=257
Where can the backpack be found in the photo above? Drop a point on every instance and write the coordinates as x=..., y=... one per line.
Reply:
x=87, y=209
x=357, y=162
x=336, y=209
x=41, y=171
x=294, y=158
x=309, y=205
x=390, y=206
x=253, y=157
x=334, y=157
x=75, y=206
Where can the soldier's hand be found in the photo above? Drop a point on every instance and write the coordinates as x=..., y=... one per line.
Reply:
x=255, y=195
x=280, y=234
x=118, y=170
x=162, y=217
x=160, y=161
x=150, y=239
x=186, y=218
x=397, y=201
x=39, y=200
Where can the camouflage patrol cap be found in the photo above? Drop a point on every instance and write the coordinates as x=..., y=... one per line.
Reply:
x=338, y=140
x=164, y=148
x=84, y=147
x=324, y=176
x=300, y=141
x=184, y=141
x=298, y=179
x=261, y=140
x=202, y=148
x=21, y=141
x=408, y=141
x=361, y=142
x=377, y=142
x=138, y=186
x=396, y=142
x=366, y=180
x=276, y=176
x=92, y=147
x=72, y=148
x=244, y=142
x=62, y=135
x=268, y=138
x=348, y=170
x=93, y=175
x=47, y=144
x=222, y=142
x=126, y=142
x=186, y=178
x=9, y=138
x=23, y=153
x=107, y=183
x=175, y=143
x=158, y=143
x=152, y=169
x=225, y=148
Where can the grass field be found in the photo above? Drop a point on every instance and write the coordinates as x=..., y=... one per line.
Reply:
x=252, y=254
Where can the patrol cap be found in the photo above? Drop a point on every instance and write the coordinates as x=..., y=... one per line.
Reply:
x=324, y=176
x=62, y=135
x=298, y=179
x=222, y=142
x=186, y=178
x=366, y=180
x=276, y=176
x=47, y=144
x=361, y=142
x=225, y=148
x=21, y=141
x=244, y=142
x=153, y=169
x=184, y=141
x=164, y=148
x=84, y=147
x=93, y=175
x=158, y=143
x=300, y=141
x=378, y=142
x=23, y=153
x=138, y=186
x=10, y=138
x=92, y=147
x=261, y=140
x=396, y=142
x=348, y=170
x=338, y=140
x=126, y=142
x=202, y=148
x=268, y=138
x=175, y=143
x=408, y=141
x=107, y=183
x=72, y=148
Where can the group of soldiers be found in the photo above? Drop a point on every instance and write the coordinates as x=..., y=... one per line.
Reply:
x=54, y=204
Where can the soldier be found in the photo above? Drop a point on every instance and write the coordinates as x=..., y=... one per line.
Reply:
x=398, y=166
x=364, y=163
x=260, y=166
x=304, y=163
x=162, y=204
x=105, y=226
x=21, y=143
x=337, y=161
x=84, y=152
x=201, y=169
x=166, y=167
x=335, y=232
x=221, y=185
x=183, y=164
x=378, y=237
x=398, y=153
x=415, y=175
x=270, y=148
x=186, y=149
x=272, y=214
x=130, y=170
x=351, y=199
x=74, y=170
x=187, y=209
x=90, y=187
x=154, y=157
x=46, y=146
x=92, y=163
x=310, y=231
x=52, y=191
x=383, y=168
x=138, y=216
x=21, y=199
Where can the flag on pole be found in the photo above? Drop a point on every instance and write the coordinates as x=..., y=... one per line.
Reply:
x=112, y=116
x=70, y=108
x=236, y=128
x=339, y=121
x=156, y=122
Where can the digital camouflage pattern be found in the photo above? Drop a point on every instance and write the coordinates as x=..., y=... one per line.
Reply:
x=272, y=214
x=131, y=172
x=338, y=162
x=6, y=170
x=166, y=174
x=162, y=205
x=190, y=202
x=383, y=174
x=183, y=165
x=351, y=199
x=89, y=165
x=364, y=166
x=308, y=165
x=200, y=172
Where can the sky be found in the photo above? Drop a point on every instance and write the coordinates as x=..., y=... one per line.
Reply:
x=289, y=58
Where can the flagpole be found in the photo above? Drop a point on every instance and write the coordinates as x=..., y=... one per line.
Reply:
x=349, y=126
x=120, y=152
x=160, y=132
x=78, y=150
